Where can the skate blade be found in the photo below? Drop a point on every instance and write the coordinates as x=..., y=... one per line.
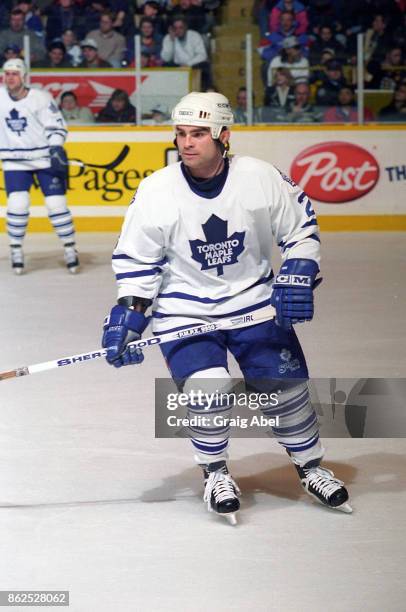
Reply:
x=73, y=269
x=18, y=271
x=344, y=508
x=230, y=517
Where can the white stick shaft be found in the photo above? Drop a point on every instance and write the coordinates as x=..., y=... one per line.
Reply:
x=245, y=320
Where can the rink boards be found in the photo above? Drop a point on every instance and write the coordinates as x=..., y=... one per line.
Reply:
x=355, y=176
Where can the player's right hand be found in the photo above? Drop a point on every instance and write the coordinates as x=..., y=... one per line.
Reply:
x=120, y=327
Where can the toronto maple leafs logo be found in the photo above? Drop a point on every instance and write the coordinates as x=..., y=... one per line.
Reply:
x=288, y=364
x=219, y=250
x=15, y=122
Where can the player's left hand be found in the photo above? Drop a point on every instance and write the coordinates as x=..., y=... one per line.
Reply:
x=59, y=161
x=292, y=295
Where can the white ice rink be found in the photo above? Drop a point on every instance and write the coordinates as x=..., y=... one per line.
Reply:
x=92, y=503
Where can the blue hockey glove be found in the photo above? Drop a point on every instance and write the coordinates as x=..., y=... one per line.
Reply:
x=59, y=161
x=121, y=327
x=292, y=295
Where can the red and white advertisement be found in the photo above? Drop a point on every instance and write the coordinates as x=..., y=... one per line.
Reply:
x=93, y=88
x=347, y=171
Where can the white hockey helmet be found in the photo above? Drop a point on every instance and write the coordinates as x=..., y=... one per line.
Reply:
x=209, y=109
x=16, y=64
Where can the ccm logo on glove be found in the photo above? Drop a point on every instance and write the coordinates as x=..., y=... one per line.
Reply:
x=293, y=279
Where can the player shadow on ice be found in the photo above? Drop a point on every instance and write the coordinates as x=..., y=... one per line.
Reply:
x=269, y=474
x=368, y=473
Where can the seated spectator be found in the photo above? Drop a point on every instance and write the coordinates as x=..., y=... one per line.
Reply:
x=61, y=16
x=377, y=39
x=240, y=111
x=326, y=40
x=326, y=11
x=331, y=83
x=302, y=111
x=91, y=57
x=56, y=57
x=72, y=112
x=345, y=111
x=388, y=73
x=396, y=110
x=281, y=94
x=151, y=10
x=183, y=47
x=11, y=52
x=124, y=17
x=14, y=35
x=159, y=115
x=151, y=42
x=118, y=109
x=290, y=57
x=274, y=42
x=110, y=44
x=93, y=10
x=299, y=11
x=73, y=50
x=192, y=11
x=32, y=16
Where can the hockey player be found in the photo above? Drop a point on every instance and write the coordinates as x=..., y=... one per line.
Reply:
x=32, y=134
x=196, y=245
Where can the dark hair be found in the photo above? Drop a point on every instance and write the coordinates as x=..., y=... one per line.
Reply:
x=17, y=11
x=147, y=20
x=57, y=44
x=120, y=94
x=68, y=93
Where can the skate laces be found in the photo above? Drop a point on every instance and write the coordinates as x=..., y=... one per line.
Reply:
x=323, y=481
x=222, y=486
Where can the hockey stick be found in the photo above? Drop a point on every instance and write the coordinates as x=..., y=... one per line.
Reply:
x=232, y=323
x=110, y=166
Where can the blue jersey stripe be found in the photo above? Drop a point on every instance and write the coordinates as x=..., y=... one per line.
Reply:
x=135, y=274
x=161, y=315
x=206, y=300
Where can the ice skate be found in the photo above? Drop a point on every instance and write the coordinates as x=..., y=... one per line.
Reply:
x=321, y=484
x=221, y=491
x=71, y=257
x=17, y=258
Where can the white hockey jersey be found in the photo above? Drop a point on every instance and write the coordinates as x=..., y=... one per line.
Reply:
x=28, y=127
x=200, y=258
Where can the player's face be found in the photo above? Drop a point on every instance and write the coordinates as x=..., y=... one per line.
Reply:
x=13, y=80
x=198, y=150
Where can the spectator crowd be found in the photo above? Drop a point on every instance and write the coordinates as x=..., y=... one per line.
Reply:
x=308, y=51
x=309, y=54
x=100, y=34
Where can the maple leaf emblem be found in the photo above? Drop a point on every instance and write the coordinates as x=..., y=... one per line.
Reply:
x=219, y=250
x=15, y=122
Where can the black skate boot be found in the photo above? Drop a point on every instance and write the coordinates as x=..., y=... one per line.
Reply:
x=321, y=484
x=221, y=491
x=71, y=257
x=17, y=258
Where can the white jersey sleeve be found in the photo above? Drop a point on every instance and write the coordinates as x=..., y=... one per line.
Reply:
x=294, y=223
x=138, y=258
x=28, y=127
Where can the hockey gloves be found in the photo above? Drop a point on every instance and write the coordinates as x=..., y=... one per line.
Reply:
x=59, y=161
x=121, y=327
x=292, y=295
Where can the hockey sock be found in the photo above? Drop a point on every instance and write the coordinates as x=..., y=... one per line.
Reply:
x=298, y=429
x=61, y=218
x=17, y=216
x=209, y=407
